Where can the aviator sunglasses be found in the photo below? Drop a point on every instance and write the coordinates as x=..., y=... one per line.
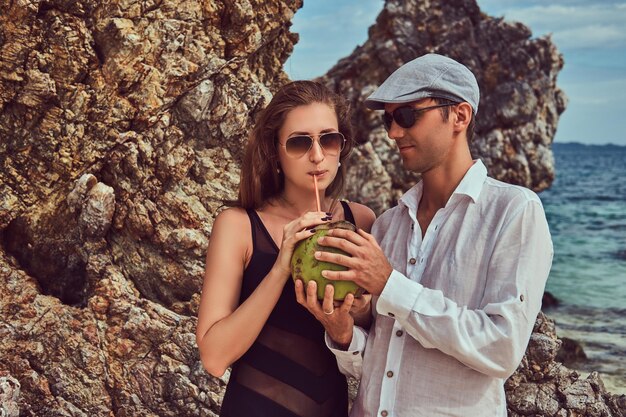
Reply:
x=332, y=143
x=407, y=116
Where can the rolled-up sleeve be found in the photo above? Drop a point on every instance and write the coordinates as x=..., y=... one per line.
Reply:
x=350, y=361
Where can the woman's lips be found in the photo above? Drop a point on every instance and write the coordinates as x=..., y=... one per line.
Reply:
x=318, y=174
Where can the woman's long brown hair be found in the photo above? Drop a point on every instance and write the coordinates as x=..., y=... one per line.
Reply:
x=260, y=179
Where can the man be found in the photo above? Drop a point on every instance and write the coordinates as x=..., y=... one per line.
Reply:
x=458, y=277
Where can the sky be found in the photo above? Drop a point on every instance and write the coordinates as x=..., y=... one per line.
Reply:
x=591, y=35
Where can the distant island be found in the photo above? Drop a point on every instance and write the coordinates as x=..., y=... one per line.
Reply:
x=580, y=146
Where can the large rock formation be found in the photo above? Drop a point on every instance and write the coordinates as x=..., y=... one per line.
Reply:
x=121, y=126
x=519, y=107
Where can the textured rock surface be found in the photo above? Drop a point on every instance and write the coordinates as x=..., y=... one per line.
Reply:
x=122, y=125
x=519, y=107
x=541, y=386
x=9, y=395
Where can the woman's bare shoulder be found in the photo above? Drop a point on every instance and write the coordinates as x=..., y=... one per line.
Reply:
x=363, y=215
x=232, y=231
x=232, y=225
x=232, y=216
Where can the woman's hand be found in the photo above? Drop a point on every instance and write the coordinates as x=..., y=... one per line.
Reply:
x=294, y=232
x=337, y=321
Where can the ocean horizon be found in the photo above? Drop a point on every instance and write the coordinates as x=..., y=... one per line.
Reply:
x=573, y=143
x=586, y=212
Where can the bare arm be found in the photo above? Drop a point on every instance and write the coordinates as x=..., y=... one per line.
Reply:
x=361, y=309
x=225, y=329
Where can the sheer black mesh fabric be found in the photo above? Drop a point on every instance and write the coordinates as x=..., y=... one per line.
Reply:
x=288, y=371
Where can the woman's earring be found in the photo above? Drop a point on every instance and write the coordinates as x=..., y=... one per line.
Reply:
x=339, y=164
x=278, y=170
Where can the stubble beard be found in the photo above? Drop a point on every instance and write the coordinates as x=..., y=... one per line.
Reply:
x=414, y=164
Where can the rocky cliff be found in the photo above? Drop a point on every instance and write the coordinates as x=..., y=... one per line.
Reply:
x=520, y=101
x=121, y=130
x=122, y=127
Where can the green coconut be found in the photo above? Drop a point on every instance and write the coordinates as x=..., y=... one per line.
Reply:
x=304, y=266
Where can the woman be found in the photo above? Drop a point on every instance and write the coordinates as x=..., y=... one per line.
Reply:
x=248, y=315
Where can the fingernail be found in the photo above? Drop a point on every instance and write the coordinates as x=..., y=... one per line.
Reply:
x=318, y=254
x=326, y=218
x=329, y=214
x=324, y=273
x=312, y=230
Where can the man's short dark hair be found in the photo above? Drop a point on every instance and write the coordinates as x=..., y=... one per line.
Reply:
x=445, y=114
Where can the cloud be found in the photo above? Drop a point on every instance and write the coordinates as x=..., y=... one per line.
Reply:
x=585, y=25
x=590, y=37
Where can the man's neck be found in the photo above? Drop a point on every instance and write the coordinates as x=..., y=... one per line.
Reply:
x=440, y=182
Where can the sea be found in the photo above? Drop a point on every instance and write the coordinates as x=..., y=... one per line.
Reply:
x=586, y=211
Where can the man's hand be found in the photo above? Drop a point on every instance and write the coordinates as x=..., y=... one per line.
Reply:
x=368, y=266
x=336, y=320
x=361, y=310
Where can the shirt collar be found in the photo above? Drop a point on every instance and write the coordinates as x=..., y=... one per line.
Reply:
x=411, y=198
x=471, y=185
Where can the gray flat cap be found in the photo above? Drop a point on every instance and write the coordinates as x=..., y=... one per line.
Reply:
x=430, y=75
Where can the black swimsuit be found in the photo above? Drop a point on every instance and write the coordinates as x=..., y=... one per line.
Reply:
x=288, y=371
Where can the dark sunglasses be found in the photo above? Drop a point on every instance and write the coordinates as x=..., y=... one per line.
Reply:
x=407, y=116
x=332, y=144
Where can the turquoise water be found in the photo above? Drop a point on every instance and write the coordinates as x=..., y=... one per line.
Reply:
x=586, y=211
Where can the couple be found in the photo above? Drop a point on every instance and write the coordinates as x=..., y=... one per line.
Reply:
x=455, y=272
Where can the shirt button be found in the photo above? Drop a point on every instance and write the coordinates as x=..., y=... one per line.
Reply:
x=391, y=314
x=399, y=333
x=389, y=374
x=356, y=352
x=521, y=297
x=384, y=413
x=412, y=261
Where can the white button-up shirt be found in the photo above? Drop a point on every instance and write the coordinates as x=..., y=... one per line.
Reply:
x=456, y=314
